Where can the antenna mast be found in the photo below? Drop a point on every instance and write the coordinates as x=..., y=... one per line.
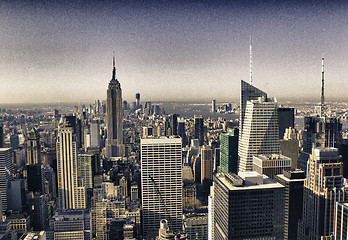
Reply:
x=322, y=102
x=251, y=60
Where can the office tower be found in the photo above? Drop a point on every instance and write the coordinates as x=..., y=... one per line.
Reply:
x=49, y=184
x=271, y=164
x=134, y=192
x=14, y=141
x=85, y=164
x=6, y=174
x=229, y=151
x=320, y=130
x=199, y=130
x=34, y=176
x=217, y=159
x=259, y=134
x=196, y=226
x=182, y=132
x=33, y=147
x=137, y=100
x=161, y=182
x=293, y=181
x=114, y=141
x=323, y=187
x=211, y=222
x=248, y=92
x=248, y=206
x=213, y=106
x=38, y=210
x=341, y=221
x=69, y=191
x=70, y=224
x=286, y=119
x=2, y=136
x=95, y=135
x=107, y=211
x=174, y=124
x=16, y=195
x=207, y=165
x=289, y=146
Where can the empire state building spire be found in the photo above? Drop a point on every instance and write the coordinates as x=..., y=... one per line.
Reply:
x=322, y=100
x=114, y=68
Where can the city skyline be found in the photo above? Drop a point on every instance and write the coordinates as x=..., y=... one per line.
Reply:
x=168, y=51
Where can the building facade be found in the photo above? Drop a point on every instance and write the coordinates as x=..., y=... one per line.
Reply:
x=114, y=118
x=161, y=182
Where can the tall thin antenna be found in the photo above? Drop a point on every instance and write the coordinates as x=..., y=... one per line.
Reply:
x=251, y=60
x=322, y=83
x=113, y=66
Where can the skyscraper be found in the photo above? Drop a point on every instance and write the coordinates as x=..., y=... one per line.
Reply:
x=137, y=100
x=1, y=136
x=161, y=182
x=293, y=181
x=248, y=92
x=229, y=151
x=213, y=106
x=247, y=206
x=286, y=119
x=6, y=174
x=70, y=192
x=321, y=130
x=174, y=124
x=33, y=147
x=199, y=130
x=323, y=187
x=114, y=141
x=259, y=134
x=207, y=166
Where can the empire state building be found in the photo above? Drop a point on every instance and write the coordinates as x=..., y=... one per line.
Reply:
x=114, y=141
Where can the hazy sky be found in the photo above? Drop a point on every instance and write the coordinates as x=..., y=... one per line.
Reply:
x=171, y=50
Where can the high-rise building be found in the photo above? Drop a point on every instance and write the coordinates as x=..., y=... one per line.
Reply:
x=271, y=164
x=174, y=124
x=182, y=132
x=85, y=168
x=286, y=119
x=69, y=191
x=207, y=166
x=293, y=181
x=161, y=182
x=1, y=136
x=248, y=92
x=6, y=174
x=34, y=178
x=33, y=147
x=95, y=135
x=323, y=187
x=341, y=221
x=114, y=117
x=259, y=134
x=213, y=106
x=289, y=146
x=70, y=224
x=137, y=100
x=199, y=130
x=321, y=130
x=229, y=151
x=248, y=206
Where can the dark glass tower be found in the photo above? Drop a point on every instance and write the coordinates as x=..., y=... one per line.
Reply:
x=229, y=151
